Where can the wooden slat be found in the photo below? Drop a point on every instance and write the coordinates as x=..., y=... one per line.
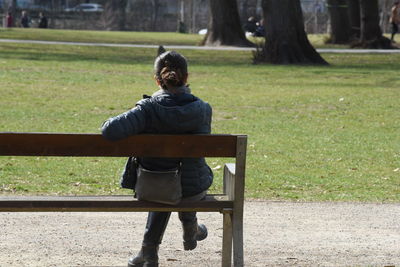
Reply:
x=56, y=144
x=229, y=180
x=227, y=241
x=105, y=204
x=238, y=204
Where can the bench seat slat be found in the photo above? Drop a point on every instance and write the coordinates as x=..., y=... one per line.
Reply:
x=212, y=203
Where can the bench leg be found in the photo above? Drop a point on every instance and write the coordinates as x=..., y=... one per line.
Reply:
x=227, y=240
x=237, y=223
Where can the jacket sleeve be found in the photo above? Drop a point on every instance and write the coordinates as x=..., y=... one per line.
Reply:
x=126, y=124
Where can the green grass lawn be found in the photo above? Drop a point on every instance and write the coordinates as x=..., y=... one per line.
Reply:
x=153, y=38
x=315, y=133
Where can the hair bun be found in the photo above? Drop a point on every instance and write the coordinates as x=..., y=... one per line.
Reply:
x=170, y=69
x=171, y=77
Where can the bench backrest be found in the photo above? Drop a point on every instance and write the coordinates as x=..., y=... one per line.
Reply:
x=81, y=145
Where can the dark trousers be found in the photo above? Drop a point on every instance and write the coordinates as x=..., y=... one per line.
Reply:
x=157, y=222
x=395, y=29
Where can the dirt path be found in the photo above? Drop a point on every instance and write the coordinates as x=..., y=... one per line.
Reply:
x=276, y=234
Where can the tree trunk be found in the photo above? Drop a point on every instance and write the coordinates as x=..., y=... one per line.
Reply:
x=340, y=24
x=224, y=26
x=371, y=34
x=114, y=15
x=14, y=11
x=243, y=10
x=154, y=17
x=122, y=15
x=354, y=16
x=384, y=7
x=286, y=40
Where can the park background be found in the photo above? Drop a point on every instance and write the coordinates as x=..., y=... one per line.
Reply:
x=316, y=131
x=323, y=159
x=164, y=15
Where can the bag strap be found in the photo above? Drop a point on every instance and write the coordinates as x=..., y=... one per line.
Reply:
x=137, y=163
x=146, y=96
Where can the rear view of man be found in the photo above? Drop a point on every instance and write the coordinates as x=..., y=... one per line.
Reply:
x=25, y=20
x=43, y=23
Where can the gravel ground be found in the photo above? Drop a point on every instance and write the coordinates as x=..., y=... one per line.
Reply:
x=275, y=234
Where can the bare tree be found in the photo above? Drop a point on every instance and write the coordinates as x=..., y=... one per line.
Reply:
x=385, y=7
x=244, y=9
x=224, y=26
x=55, y=5
x=286, y=40
x=154, y=16
x=114, y=14
x=340, y=24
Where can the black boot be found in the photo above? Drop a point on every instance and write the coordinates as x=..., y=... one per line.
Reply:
x=192, y=231
x=155, y=228
x=147, y=257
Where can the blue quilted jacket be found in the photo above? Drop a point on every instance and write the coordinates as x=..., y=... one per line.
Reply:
x=167, y=113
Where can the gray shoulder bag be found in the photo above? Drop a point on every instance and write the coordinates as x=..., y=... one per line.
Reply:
x=159, y=186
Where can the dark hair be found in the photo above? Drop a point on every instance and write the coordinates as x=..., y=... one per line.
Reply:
x=170, y=69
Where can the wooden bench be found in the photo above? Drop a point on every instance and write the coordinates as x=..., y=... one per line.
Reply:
x=229, y=203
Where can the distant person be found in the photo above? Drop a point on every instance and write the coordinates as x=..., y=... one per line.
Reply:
x=43, y=22
x=251, y=25
x=318, y=7
x=24, y=20
x=260, y=30
x=395, y=19
x=181, y=27
x=9, y=20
